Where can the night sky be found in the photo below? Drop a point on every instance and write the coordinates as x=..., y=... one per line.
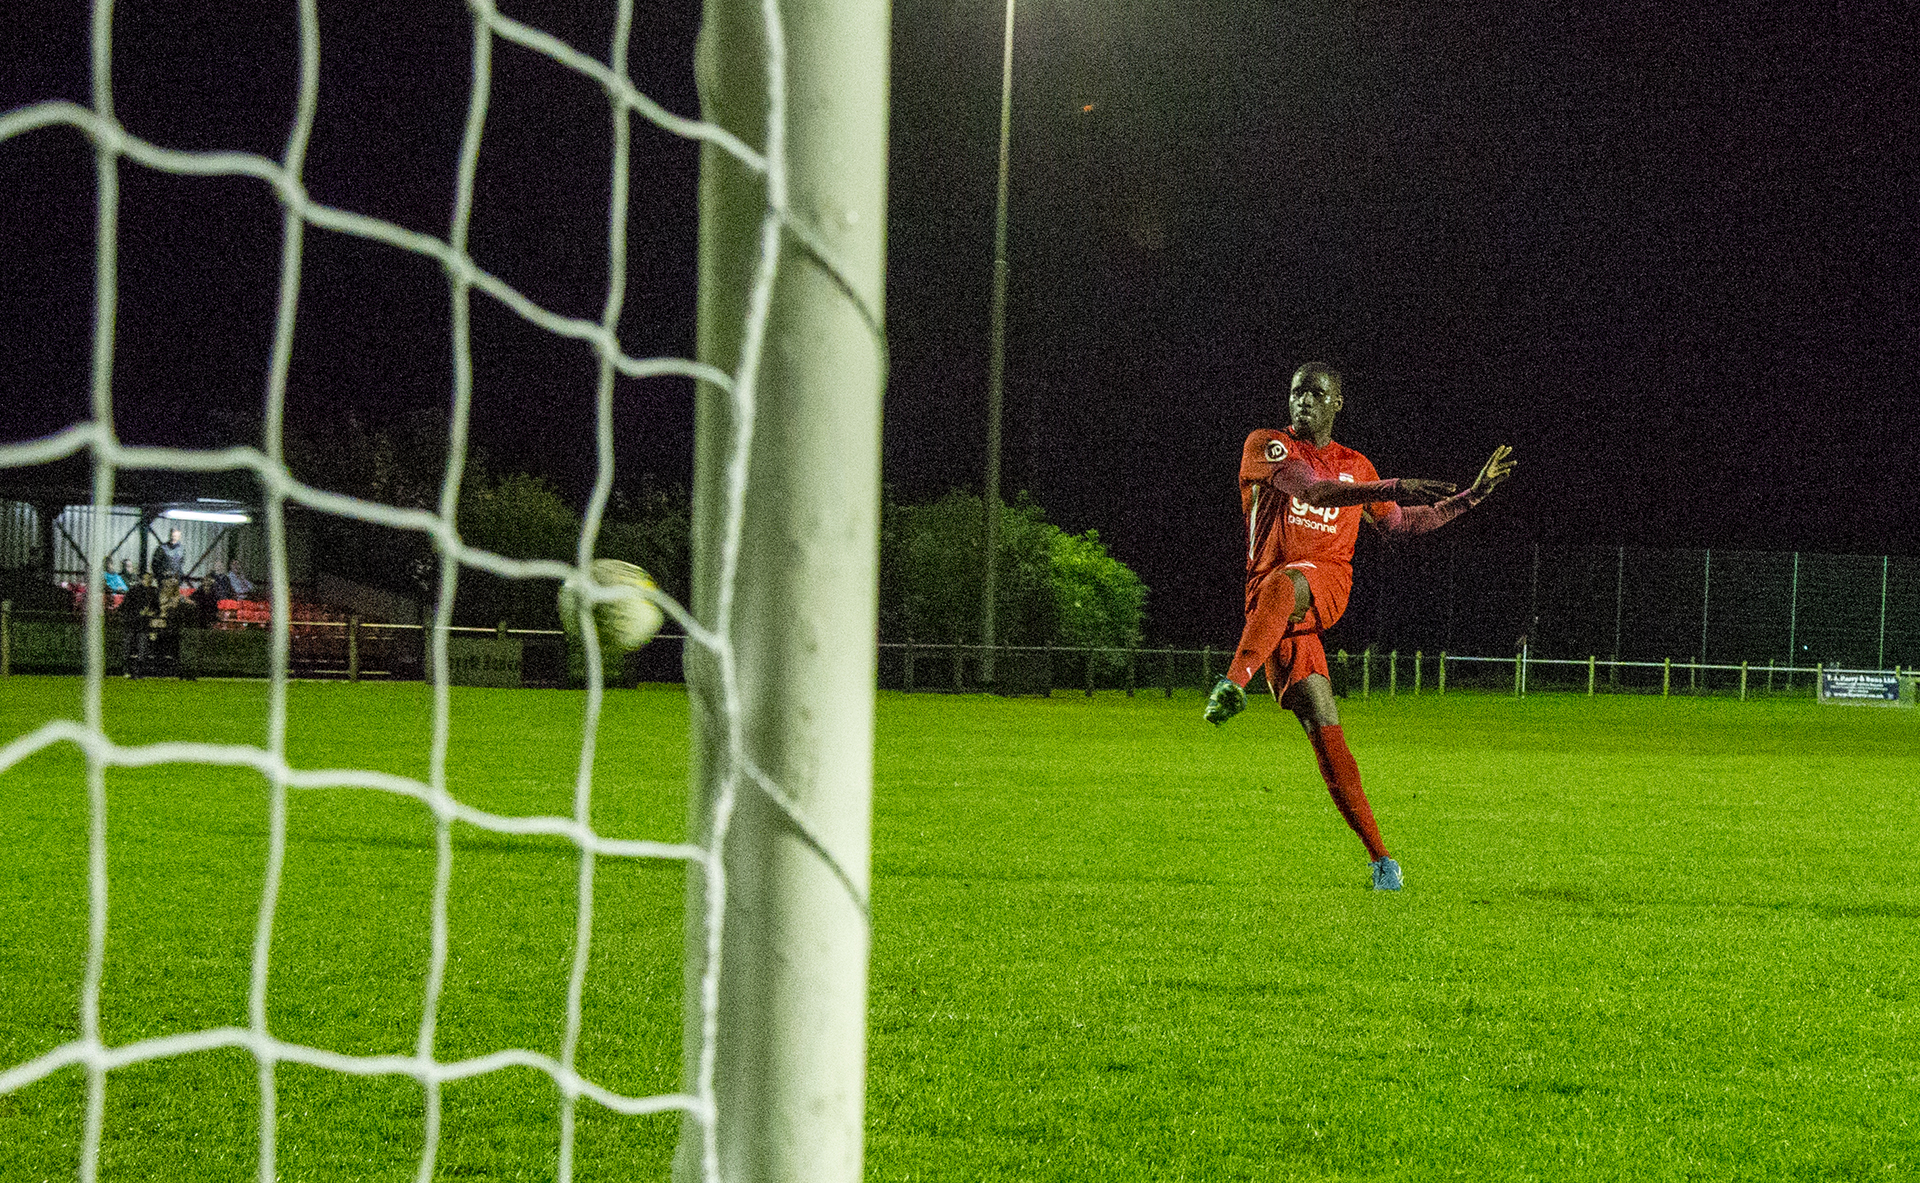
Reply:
x=1667, y=252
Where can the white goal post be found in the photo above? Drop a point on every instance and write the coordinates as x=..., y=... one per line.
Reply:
x=790, y=365
x=791, y=269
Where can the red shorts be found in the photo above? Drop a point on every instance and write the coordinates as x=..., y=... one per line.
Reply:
x=1295, y=659
x=1289, y=652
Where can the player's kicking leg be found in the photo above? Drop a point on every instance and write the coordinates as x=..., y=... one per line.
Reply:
x=1280, y=601
x=1311, y=699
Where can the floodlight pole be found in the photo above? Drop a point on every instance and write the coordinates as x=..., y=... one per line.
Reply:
x=996, y=367
x=786, y=515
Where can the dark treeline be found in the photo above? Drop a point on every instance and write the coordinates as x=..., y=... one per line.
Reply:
x=514, y=514
x=1053, y=587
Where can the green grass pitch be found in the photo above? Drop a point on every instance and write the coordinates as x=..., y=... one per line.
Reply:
x=1641, y=939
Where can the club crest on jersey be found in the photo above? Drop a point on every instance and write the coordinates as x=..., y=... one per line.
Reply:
x=1276, y=451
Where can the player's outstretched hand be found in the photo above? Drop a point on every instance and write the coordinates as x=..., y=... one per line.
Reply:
x=1420, y=491
x=1498, y=467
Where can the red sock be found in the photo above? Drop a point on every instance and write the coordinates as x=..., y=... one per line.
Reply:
x=1343, y=783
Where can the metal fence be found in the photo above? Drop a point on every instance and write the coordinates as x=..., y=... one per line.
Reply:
x=39, y=642
x=1364, y=674
x=1630, y=604
x=923, y=667
x=1528, y=617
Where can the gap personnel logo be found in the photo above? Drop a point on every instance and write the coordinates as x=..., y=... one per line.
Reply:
x=1276, y=451
x=1313, y=517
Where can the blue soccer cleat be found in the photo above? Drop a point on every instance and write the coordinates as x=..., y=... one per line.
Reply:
x=1226, y=700
x=1386, y=875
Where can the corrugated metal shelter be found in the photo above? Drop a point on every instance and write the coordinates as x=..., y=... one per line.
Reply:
x=28, y=539
x=19, y=534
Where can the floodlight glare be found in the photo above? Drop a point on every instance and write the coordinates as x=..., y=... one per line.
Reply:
x=207, y=515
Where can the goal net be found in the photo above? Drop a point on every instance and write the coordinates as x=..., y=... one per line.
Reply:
x=786, y=377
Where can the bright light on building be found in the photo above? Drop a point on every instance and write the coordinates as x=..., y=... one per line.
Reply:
x=233, y=517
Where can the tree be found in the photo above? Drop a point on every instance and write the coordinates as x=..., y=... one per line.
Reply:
x=520, y=517
x=517, y=515
x=936, y=563
x=653, y=529
x=1098, y=600
x=402, y=468
x=1052, y=587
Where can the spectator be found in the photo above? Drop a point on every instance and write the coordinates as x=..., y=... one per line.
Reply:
x=238, y=587
x=170, y=559
x=163, y=627
x=206, y=601
x=136, y=610
x=116, y=581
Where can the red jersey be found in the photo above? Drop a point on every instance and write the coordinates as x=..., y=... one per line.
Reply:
x=1283, y=530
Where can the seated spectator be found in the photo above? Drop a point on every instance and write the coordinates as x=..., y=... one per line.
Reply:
x=114, y=582
x=129, y=579
x=236, y=585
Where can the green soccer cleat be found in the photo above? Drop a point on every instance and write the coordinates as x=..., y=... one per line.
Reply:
x=1226, y=701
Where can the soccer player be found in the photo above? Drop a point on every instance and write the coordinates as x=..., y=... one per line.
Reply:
x=1304, y=498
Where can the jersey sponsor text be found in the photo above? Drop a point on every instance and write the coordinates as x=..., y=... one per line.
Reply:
x=1313, y=517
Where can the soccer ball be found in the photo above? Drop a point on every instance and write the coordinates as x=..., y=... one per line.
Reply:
x=623, y=624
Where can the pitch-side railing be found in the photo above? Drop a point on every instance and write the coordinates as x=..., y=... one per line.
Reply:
x=353, y=648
